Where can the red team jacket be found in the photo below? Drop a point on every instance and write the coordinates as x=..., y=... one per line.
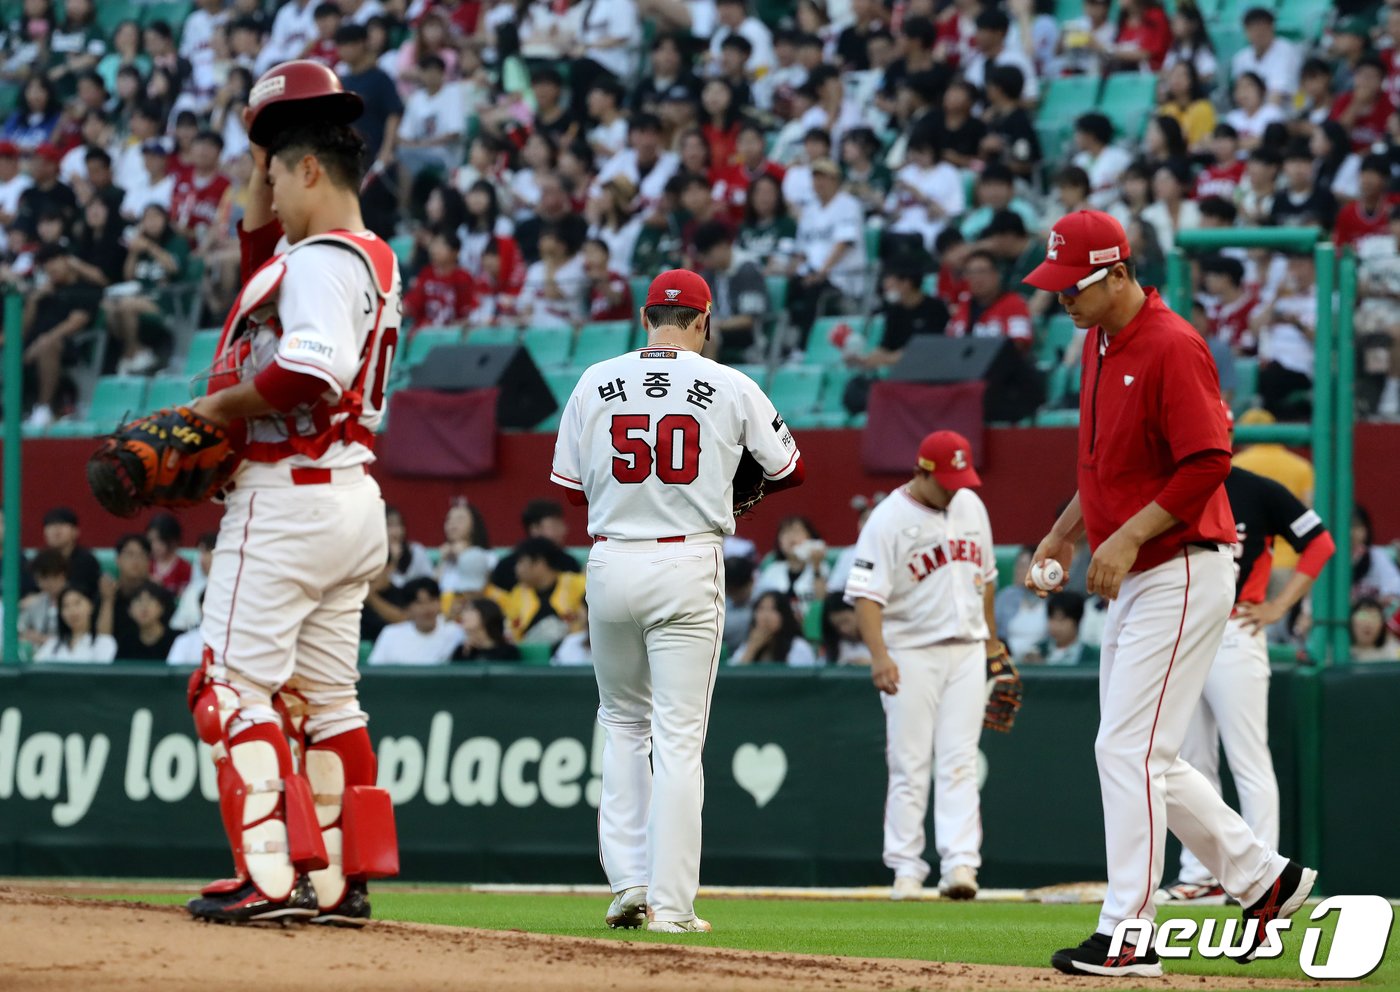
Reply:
x=437, y=298
x=194, y=204
x=1007, y=317
x=1148, y=403
x=1220, y=180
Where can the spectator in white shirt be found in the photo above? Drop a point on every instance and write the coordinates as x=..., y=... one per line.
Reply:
x=434, y=118
x=555, y=293
x=157, y=186
x=798, y=190
x=830, y=247
x=1253, y=113
x=1285, y=328
x=13, y=182
x=425, y=638
x=293, y=29
x=1275, y=60
x=609, y=133
x=608, y=35
x=197, y=36
x=734, y=18
x=646, y=165
x=76, y=639
x=775, y=635
x=992, y=49
x=926, y=192
x=1102, y=161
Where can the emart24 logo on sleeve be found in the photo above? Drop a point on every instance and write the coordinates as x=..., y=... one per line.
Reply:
x=1359, y=940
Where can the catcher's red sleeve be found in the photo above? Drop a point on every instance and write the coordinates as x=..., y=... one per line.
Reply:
x=256, y=247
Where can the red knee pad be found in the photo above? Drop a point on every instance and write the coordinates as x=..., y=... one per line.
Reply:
x=370, y=841
x=356, y=755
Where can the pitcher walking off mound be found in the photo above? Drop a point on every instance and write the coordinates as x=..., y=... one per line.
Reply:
x=924, y=587
x=651, y=440
x=1153, y=457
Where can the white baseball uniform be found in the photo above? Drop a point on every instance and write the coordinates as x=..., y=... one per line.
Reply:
x=928, y=570
x=302, y=535
x=652, y=438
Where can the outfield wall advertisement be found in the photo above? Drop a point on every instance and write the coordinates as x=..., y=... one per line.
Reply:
x=494, y=772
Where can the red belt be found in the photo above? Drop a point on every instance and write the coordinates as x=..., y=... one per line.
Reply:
x=659, y=540
x=315, y=476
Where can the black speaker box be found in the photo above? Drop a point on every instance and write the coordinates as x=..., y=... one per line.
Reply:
x=1014, y=386
x=525, y=398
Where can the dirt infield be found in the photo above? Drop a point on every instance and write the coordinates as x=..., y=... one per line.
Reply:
x=54, y=943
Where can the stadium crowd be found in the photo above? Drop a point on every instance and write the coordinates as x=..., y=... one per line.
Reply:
x=464, y=600
x=899, y=157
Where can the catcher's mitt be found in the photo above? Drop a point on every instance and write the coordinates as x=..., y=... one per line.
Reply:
x=173, y=457
x=1003, y=693
x=749, y=484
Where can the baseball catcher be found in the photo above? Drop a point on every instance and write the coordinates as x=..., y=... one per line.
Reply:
x=286, y=433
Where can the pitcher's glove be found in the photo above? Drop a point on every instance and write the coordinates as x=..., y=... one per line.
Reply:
x=173, y=457
x=1003, y=693
x=749, y=484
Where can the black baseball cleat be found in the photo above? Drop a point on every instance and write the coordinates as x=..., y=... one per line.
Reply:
x=1092, y=958
x=247, y=905
x=351, y=911
x=1280, y=901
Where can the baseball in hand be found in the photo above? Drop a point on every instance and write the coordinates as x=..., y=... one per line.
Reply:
x=1047, y=574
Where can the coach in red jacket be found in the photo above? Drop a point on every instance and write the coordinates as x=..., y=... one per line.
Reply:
x=1153, y=456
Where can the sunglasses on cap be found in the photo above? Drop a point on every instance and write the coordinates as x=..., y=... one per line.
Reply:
x=1086, y=282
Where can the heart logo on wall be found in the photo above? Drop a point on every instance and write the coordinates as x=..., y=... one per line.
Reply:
x=760, y=771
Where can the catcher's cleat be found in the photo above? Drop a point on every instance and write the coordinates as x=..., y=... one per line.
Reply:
x=906, y=887
x=692, y=925
x=629, y=909
x=248, y=905
x=351, y=911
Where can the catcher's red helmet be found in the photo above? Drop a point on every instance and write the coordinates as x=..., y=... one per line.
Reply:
x=298, y=91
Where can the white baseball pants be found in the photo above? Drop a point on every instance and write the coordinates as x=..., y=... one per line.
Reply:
x=655, y=612
x=290, y=572
x=932, y=725
x=1160, y=637
x=1234, y=711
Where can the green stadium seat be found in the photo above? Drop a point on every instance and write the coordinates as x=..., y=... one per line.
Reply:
x=1056, y=386
x=172, y=12
x=1057, y=418
x=1061, y=101
x=168, y=390
x=1068, y=10
x=548, y=346
x=1059, y=332
x=72, y=428
x=110, y=13
x=425, y=340
x=200, y=355
x=1298, y=20
x=640, y=285
x=796, y=391
x=561, y=382
x=820, y=349
x=829, y=419
x=777, y=292
x=536, y=654
x=1006, y=563
x=1246, y=384
x=403, y=247
x=1128, y=99
x=599, y=342
x=117, y=398
x=493, y=335
x=1227, y=38
x=834, y=379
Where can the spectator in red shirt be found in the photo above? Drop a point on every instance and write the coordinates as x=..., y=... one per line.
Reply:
x=952, y=249
x=1234, y=304
x=171, y=572
x=609, y=295
x=497, y=292
x=1222, y=177
x=990, y=310
x=1364, y=111
x=1144, y=36
x=194, y=203
x=444, y=292
x=1369, y=213
x=720, y=122
x=323, y=49
x=699, y=206
x=731, y=183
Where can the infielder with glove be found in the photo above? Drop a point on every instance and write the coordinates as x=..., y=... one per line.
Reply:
x=1153, y=456
x=652, y=441
x=298, y=386
x=924, y=588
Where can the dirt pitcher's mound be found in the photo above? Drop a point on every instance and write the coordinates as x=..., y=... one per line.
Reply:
x=52, y=943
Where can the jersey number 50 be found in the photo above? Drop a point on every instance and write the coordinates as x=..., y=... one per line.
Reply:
x=676, y=462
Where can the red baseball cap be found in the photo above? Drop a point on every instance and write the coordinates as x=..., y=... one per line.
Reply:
x=8, y=149
x=1080, y=243
x=679, y=288
x=949, y=457
x=49, y=152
